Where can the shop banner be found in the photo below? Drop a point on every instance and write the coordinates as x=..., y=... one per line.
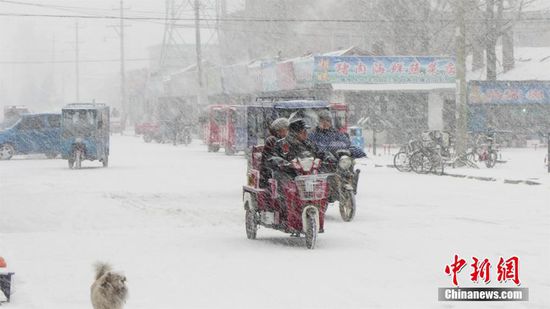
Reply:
x=285, y=76
x=236, y=79
x=269, y=76
x=384, y=70
x=303, y=72
x=509, y=92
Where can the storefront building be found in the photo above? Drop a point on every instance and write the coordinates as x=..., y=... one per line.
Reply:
x=410, y=94
x=520, y=109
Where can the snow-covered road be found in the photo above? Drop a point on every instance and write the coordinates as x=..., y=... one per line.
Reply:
x=171, y=219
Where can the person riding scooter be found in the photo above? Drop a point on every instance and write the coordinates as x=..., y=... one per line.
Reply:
x=340, y=154
x=278, y=130
x=295, y=143
x=327, y=138
x=293, y=146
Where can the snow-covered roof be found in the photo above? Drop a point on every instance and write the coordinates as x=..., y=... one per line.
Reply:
x=391, y=87
x=85, y=106
x=531, y=63
x=537, y=6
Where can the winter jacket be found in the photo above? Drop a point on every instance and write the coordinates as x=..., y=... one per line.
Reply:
x=267, y=153
x=332, y=140
x=288, y=149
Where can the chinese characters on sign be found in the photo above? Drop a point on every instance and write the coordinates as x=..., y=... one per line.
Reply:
x=508, y=92
x=384, y=70
x=481, y=270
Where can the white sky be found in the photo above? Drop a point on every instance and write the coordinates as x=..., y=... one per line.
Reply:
x=32, y=39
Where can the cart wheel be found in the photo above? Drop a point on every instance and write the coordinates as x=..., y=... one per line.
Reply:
x=6, y=151
x=437, y=164
x=347, y=205
x=491, y=159
x=250, y=223
x=216, y=148
x=418, y=162
x=147, y=138
x=311, y=231
x=78, y=159
x=229, y=151
x=105, y=162
x=401, y=162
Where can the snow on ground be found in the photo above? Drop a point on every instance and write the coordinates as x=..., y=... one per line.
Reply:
x=526, y=164
x=171, y=219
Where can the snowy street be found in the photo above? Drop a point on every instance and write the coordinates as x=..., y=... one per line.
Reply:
x=171, y=218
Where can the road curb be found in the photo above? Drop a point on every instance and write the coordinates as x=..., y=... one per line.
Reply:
x=484, y=178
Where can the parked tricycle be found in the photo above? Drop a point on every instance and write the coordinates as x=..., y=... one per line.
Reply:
x=234, y=128
x=85, y=133
x=214, y=127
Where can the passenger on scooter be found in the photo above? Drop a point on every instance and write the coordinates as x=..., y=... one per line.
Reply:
x=287, y=149
x=295, y=143
x=278, y=130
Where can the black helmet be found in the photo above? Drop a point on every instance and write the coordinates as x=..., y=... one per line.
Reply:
x=297, y=125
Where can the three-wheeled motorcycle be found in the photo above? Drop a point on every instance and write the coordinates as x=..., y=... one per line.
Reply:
x=85, y=133
x=301, y=209
x=214, y=130
x=234, y=139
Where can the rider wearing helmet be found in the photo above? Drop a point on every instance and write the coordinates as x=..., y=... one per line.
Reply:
x=278, y=130
x=327, y=138
x=287, y=149
x=296, y=142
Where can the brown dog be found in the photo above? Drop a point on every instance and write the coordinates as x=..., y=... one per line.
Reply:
x=109, y=290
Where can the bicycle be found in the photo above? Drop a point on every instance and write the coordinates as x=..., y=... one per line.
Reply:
x=402, y=157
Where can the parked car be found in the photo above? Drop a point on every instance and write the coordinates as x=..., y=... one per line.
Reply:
x=12, y=114
x=33, y=133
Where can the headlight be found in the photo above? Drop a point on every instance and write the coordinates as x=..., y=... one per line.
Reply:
x=78, y=140
x=306, y=163
x=345, y=162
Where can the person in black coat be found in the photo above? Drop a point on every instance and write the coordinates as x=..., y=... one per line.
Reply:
x=278, y=130
x=293, y=146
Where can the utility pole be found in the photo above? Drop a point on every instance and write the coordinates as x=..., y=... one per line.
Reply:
x=53, y=58
x=491, y=40
x=122, y=69
x=200, y=94
x=77, y=63
x=461, y=108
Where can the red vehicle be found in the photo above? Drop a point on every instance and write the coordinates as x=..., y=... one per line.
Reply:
x=305, y=198
x=150, y=131
x=235, y=131
x=215, y=127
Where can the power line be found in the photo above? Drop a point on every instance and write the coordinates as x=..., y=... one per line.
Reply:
x=68, y=8
x=71, y=61
x=253, y=20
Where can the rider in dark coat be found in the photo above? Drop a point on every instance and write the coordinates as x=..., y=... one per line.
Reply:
x=327, y=138
x=278, y=130
x=295, y=143
x=286, y=150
